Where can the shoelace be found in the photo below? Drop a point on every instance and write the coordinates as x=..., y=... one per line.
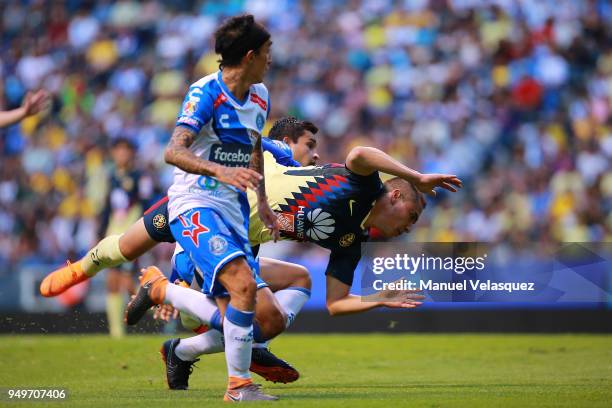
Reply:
x=253, y=386
x=190, y=366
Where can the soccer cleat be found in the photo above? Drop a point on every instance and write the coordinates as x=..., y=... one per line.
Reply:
x=247, y=392
x=272, y=368
x=177, y=370
x=62, y=279
x=151, y=292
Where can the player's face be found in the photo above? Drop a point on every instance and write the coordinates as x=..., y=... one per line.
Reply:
x=305, y=149
x=122, y=155
x=396, y=215
x=261, y=62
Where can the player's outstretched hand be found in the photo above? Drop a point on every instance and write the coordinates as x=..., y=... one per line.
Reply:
x=427, y=183
x=404, y=299
x=269, y=218
x=239, y=177
x=402, y=305
x=35, y=102
x=165, y=312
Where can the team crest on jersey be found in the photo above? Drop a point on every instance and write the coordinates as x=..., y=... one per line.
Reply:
x=347, y=240
x=193, y=228
x=260, y=121
x=217, y=245
x=286, y=222
x=322, y=225
x=190, y=107
x=159, y=221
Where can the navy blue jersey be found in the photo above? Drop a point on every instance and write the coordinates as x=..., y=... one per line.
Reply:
x=326, y=205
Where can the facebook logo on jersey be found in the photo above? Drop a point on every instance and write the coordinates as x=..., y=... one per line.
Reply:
x=231, y=154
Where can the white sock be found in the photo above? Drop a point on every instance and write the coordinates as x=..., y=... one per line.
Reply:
x=292, y=300
x=190, y=301
x=265, y=344
x=238, y=334
x=206, y=343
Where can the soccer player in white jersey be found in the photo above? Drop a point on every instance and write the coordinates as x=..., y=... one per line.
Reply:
x=216, y=148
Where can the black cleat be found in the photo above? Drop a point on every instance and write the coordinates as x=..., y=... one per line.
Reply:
x=272, y=368
x=151, y=292
x=177, y=370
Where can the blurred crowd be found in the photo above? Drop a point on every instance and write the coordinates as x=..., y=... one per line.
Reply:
x=514, y=96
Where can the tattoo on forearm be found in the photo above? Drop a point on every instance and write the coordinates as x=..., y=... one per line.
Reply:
x=257, y=164
x=178, y=154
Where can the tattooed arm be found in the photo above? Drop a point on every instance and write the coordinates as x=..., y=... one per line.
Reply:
x=263, y=208
x=257, y=164
x=177, y=153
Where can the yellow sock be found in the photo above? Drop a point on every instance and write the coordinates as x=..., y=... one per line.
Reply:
x=114, y=314
x=190, y=322
x=104, y=255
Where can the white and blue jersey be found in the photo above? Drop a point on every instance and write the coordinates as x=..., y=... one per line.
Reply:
x=210, y=219
x=223, y=125
x=182, y=265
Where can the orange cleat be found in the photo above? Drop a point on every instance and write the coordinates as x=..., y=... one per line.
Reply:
x=62, y=279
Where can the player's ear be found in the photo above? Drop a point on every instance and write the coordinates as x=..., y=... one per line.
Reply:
x=248, y=57
x=396, y=195
x=286, y=140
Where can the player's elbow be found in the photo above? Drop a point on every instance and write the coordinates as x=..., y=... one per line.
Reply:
x=169, y=155
x=359, y=160
x=356, y=156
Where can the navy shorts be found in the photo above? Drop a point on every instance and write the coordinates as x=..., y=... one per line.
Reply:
x=156, y=221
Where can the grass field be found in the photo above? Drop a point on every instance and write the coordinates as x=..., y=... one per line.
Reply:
x=337, y=370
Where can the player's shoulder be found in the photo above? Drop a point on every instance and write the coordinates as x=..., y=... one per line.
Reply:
x=206, y=84
x=259, y=95
x=259, y=89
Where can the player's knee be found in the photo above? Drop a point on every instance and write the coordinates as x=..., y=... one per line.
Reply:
x=243, y=285
x=273, y=323
x=303, y=278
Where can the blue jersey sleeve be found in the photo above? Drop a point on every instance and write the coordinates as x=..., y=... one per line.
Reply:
x=281, y=152
x=197, y=109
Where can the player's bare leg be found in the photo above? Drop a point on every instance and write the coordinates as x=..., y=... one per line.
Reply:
x=281, y=275
x=293, y=284
x=111, y=251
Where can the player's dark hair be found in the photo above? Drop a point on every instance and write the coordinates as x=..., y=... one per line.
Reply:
x=123, y=141
x=292, y=128
x=408, y=190
x=236, y=37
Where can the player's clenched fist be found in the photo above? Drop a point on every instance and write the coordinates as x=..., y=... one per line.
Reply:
x=239, y=177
